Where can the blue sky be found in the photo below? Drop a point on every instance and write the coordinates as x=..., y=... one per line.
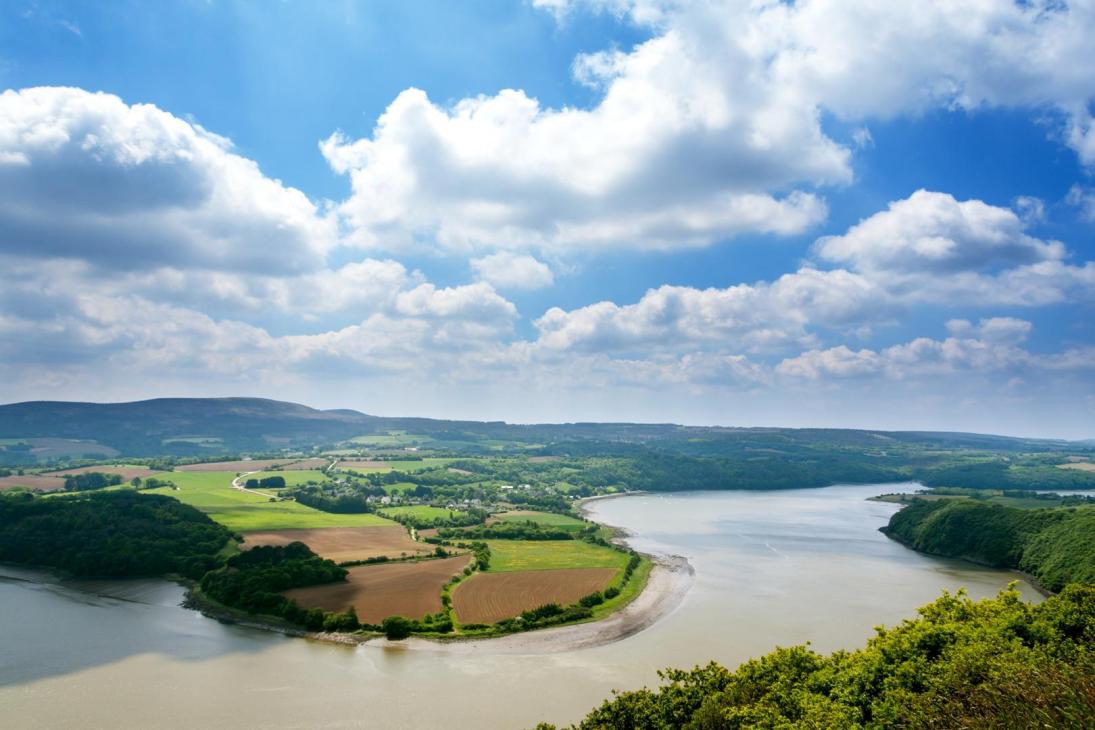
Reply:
x=703, y=212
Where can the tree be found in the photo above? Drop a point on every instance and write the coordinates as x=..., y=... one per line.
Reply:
x=396, y=627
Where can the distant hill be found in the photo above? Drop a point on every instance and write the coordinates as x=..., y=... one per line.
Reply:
x=181, y=426
x=42, y=430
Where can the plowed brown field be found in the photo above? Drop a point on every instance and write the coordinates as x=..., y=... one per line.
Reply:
x=359, y=464
x=345, y=543
x=256, y=465
x=391, y=589
x=42, y=484
x=488, y=597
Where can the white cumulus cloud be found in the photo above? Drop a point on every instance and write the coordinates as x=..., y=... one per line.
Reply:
x=508, y=270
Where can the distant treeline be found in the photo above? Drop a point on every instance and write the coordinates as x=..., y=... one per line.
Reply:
x=997, y=663
x=110, y=534
x=275, y=482
x=1001, y=475
x=1056, y=546
x=340, y=504
x=91, y=480
x=508, y=531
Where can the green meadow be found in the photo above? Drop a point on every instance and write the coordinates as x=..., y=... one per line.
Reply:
x=212, y=493
x=420, y=511
x=565, y=522
x=510, y=555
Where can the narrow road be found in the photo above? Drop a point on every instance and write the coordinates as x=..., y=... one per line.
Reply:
x=237, y=483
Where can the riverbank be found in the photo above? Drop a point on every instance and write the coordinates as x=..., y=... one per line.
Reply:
x=581, y=503
x=1029, y=578
x=661, y=590
x=669, y=582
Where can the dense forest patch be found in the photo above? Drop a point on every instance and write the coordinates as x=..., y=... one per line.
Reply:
x=1056, y=546
x=962, y=664
x=110, y=534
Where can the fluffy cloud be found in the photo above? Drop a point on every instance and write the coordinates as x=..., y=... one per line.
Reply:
x=701, y=131
x=926, y=250
x=993, y=345
x=86, y=176
x=933, y=232
x=753, y=317
x=507, y=270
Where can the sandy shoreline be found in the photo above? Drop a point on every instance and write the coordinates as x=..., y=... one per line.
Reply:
x=669, y=581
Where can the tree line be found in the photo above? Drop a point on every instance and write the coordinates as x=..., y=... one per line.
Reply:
x=1056, y=546
x=110, y=535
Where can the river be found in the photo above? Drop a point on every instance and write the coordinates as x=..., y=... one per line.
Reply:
x=771, y=567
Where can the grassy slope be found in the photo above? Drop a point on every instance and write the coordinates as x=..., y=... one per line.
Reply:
x=510, y=555
x=212, y=493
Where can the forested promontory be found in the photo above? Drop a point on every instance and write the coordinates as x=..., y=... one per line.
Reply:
x=1056, y=546
x=119, y=534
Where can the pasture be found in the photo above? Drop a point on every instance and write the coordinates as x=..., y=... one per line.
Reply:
x=420, y=512
x=489, y=597
x=292, y=478
x=565, y=522
x=343, y=544
x=404, y=465
x=515, y=555
x=410, y=589
x=391, y=440
x=212, y=493
x=1078, y=465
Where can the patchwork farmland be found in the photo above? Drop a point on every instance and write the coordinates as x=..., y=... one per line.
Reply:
x=488, y=579
x=410, y=589
x=489, y=597
x=345, y=544
x=257, y=465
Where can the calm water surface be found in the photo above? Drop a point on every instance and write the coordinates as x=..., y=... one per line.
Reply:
x=773, y=567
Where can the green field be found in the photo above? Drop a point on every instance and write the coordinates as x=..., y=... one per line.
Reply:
x=421, y=512
x=404, y=465
x=199, y=440
x=391, y=439
x=630, y=591
x=565, y=522
x=212, y=493
x=509, y=555
x=292, y=478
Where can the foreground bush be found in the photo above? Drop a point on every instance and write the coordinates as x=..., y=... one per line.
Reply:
x=997, y=663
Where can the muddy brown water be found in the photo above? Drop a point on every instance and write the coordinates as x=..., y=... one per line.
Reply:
x=771, y=567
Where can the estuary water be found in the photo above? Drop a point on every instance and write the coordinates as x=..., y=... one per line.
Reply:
x=771, y=568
